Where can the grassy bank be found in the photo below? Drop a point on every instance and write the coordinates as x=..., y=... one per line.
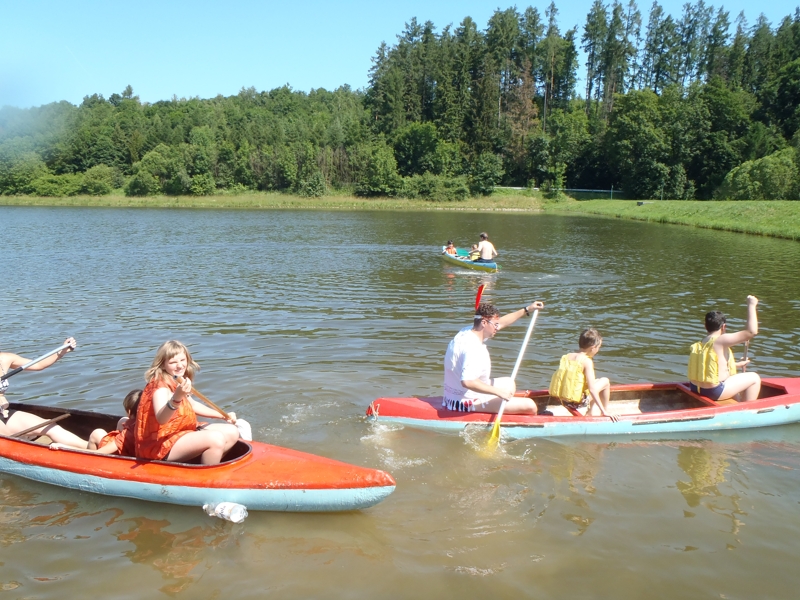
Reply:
x=775, y=218
x=501, y=202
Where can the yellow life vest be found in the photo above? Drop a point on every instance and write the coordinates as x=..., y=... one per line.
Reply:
x=703, y=366
x=569, y=382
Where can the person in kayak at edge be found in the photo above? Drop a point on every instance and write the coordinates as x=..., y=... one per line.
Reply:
x=468, y=384
x=18, y=420
x=712, y=368
x=166, y=419
x=487, y=250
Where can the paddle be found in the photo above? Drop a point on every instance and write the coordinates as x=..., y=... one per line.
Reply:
x=208, y=402
x=243, y=426
x=40, y=425
x=494, y=438
x=478, y=295
x=34, y=361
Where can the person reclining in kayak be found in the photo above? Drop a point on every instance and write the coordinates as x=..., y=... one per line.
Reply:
x=574, y=383
x=18, y=420
x=468, y=385
x=166, y=420
x=712, y=368
x=486, y=249
x=450, y=249
x=121, y=441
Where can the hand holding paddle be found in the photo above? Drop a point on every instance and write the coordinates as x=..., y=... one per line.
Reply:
x=245, y=432
x=494, y=437
x=69, y=345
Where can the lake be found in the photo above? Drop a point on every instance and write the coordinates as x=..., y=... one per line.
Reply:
x=299, y=319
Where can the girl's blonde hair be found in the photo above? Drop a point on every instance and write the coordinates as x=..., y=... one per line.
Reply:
x=166, y=351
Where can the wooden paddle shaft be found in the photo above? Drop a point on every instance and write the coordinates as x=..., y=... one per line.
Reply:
x=40, y=426
x=202, y=397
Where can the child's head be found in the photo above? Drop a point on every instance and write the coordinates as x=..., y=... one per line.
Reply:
x=714, y=321
x=449, y=243
x=474, y=247
x=589, y=339
x=166, y=352
x=131, y=402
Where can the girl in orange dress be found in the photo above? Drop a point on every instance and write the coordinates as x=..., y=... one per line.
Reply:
x=166, y=420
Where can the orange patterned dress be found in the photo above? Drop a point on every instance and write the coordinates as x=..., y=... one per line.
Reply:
x=153, y=440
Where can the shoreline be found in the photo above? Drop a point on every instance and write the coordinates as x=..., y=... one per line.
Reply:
x=775, y=218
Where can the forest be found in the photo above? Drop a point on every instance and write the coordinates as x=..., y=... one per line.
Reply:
x=692, y=106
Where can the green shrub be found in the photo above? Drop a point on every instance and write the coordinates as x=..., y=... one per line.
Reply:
x=57, y=185
x=142, y=184
x=436, y=188
x=100, y=180
x=486, y=173
x=314, y=186
x=774, y=177
x=203, y=185
x=379, y=174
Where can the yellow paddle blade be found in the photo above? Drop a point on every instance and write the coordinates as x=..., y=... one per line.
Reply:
x=494, y=437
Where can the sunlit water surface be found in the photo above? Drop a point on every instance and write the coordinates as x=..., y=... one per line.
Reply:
x=300, y=319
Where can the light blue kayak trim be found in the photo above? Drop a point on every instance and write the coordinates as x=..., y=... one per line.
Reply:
x=740, y=419
x=308, y=500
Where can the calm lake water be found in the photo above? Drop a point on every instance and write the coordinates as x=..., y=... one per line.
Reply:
x=300, y=319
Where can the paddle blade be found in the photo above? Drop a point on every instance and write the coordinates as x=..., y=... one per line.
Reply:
x=478, y=295
x=494, y=437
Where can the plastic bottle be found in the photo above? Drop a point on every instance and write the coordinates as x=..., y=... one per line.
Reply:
x=230, y=511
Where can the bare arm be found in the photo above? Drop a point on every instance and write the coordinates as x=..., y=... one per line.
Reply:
x=16, y=361
x=591, y=384
x=162, y=398
x=513, y=317
x=740, y=337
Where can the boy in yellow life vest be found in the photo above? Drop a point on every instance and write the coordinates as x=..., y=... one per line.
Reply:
x=574, y=383
x=712, y=368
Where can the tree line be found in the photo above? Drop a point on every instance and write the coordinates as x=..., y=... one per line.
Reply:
x=689, y=106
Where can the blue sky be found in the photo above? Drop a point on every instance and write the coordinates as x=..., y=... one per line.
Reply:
x=64, y=50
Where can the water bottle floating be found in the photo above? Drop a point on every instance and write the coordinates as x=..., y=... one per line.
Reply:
x=230, y=511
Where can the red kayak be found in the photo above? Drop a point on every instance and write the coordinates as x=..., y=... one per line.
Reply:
x=257, y=475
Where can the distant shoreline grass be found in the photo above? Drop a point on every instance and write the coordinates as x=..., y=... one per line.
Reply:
x=266, y=201
x=775, y=218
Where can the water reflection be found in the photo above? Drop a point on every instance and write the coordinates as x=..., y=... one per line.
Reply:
x=175, y=555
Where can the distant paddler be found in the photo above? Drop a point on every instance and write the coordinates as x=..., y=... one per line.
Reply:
x=486, y=249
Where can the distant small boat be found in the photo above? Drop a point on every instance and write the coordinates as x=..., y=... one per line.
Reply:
x=462, y=260
x=639, y=408
x=257, y=475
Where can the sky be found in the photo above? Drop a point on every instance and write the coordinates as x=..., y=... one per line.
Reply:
x=68, y=49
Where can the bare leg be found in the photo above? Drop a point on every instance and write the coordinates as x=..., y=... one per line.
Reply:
x=208, y=445
x=229, y=431
x=96, y=437
x=745, y=386
x=515, y=406
x=20, y=421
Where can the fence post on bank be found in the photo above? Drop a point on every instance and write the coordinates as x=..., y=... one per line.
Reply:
x=612, y=192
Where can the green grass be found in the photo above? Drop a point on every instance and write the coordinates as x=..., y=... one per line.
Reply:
x=776, y=218
x=498, y=202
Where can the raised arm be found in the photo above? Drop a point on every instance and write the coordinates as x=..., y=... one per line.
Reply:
x=513, y=317
x=740, y=337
